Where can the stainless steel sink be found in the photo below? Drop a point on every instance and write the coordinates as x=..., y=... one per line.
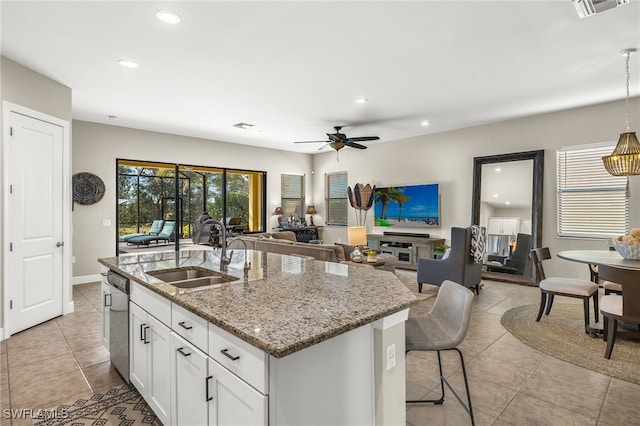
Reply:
x=192, y=278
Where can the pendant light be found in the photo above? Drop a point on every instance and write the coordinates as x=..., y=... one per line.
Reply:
x=625, y=158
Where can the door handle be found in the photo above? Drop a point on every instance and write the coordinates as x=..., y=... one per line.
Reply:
x=59, y=244
x=105, y=300
x=206, y=386
x=146, y=328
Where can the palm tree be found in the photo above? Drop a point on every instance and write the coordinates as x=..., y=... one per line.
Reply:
x=384, y=196
x=400, y=198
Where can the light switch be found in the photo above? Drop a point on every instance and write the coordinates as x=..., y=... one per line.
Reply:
x=106, y=222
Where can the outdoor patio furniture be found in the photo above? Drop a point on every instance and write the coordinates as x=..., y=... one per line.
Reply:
x=165, y=235
x=156, y=227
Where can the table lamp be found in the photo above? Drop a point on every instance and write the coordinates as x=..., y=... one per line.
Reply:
x=357, y=237
x=278, y=212
x=311, y=210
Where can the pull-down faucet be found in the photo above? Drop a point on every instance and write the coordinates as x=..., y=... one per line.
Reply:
x=224, y=260
x=247, y=264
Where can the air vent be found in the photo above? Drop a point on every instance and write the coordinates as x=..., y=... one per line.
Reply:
x=587, y=8
x=244, y=125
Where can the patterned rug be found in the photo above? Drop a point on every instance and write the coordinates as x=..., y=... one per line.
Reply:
x=561, y=335
x=118, y=406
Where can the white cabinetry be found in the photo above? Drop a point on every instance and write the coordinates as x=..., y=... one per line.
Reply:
x=503, y=226
x=105, y=303
x=233, y=402
x=190, y=394
x=150, y=351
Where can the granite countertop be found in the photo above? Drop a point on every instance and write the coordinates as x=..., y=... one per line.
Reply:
x=288, y=303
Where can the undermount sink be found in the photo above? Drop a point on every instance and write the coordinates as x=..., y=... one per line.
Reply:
x=192, y=277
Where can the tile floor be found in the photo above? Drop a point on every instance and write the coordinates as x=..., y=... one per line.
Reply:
x=58, y=361
x=511, y=384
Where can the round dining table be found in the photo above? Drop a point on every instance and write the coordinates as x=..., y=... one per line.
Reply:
x=615, y=260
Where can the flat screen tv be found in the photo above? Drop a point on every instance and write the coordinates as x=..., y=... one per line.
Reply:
x=415, y=206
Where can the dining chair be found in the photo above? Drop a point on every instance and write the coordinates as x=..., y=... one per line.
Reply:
x=443, y=328
x=614, y=307
x=557, y=286
x=608, y=286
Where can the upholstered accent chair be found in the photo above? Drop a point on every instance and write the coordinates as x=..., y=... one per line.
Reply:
x=459, y=267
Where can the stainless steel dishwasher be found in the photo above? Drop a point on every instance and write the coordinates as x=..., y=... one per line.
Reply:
x=119, y=323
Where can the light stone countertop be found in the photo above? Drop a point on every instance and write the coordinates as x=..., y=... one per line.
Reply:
x=289, y=303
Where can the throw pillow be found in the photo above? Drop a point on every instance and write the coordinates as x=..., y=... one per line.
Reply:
x=284, y=235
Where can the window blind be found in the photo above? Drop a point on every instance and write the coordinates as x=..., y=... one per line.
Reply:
x=591, y=202
x=336, y=198
x=292, y=194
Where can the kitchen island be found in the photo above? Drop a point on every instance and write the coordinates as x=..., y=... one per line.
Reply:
x=308, y=342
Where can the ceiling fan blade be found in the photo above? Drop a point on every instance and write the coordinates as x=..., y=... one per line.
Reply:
x=355, y=145
x=363, y=138
x=324, y=146
x=312, y=142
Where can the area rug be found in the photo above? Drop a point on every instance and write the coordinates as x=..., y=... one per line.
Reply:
x=561, y=335
x=118, y=406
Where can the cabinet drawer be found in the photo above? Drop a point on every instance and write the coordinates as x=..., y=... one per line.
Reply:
x=245, y=361
x=152, y=302
x=190, y=326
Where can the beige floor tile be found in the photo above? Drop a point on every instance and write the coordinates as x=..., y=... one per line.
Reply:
x=46, y=333
x=78, y=342
x=92, y=356
x=556, y=381
x=526, y=410
x=450, y=413
x=42, y=370
x=103, y=375
x=621, y=404
x=46, y=392
x=486, y=396
x=37, y=352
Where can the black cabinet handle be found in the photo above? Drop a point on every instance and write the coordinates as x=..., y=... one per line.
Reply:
x=225, y=352
x=206, y=387
x=145, y=334
x=142, y=334
x=105, y=300
x=186, y=327
x=183, y=352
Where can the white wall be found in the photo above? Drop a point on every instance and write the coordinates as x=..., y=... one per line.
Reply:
x=447, y=158
x=24, y=87
x=96, y=147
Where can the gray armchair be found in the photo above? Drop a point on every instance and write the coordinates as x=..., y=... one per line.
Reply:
x=459, y=267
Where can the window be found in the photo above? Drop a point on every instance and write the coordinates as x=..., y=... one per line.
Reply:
x=292, y=195
x=336, y=198
x=591, y=202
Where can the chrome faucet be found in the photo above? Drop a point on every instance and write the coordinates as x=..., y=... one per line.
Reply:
x=224, y=260
x=247, y=264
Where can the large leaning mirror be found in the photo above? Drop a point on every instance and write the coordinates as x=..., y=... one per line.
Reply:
x=507, y=200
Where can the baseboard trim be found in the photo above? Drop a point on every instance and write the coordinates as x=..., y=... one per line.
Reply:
x=1, y=334
x=84, y=279
x=70, y=308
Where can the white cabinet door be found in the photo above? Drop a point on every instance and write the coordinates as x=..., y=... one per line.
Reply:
x=105, y=290
x=189, y=392
x=494, y=226
x=510, y=226
x=138, y=364
x=150, y=360
x=159, y=367
x=233, y=402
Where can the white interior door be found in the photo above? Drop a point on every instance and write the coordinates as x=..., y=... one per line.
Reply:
x=34, y=222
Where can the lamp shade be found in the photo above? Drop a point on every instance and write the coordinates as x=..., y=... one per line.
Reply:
x=311, y=209
x=625, y=158
x=357, y=235
x=278, y=211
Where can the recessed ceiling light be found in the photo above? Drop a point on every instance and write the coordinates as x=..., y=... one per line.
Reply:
x=498, y=169
x=507, y=202
x=127, y=63
x=361, y=100
x=425, y=123
x=496, y=195
x=168, y=17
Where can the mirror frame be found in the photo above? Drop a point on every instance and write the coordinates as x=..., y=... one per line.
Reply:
x=536, y=199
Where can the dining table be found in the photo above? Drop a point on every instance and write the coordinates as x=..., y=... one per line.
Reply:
x=611, y=258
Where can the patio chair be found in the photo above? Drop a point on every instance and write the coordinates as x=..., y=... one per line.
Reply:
x=165, y=235
x=156, y=227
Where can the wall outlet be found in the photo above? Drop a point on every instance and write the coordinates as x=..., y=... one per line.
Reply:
x=391, y=356
x=73, y=259
x=106, y=222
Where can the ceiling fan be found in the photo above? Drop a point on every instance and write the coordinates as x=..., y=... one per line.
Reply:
x=339, y=140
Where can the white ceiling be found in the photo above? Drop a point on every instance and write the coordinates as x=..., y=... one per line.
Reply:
x=294, y=68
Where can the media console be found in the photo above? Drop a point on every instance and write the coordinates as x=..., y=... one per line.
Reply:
x=405, y=246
